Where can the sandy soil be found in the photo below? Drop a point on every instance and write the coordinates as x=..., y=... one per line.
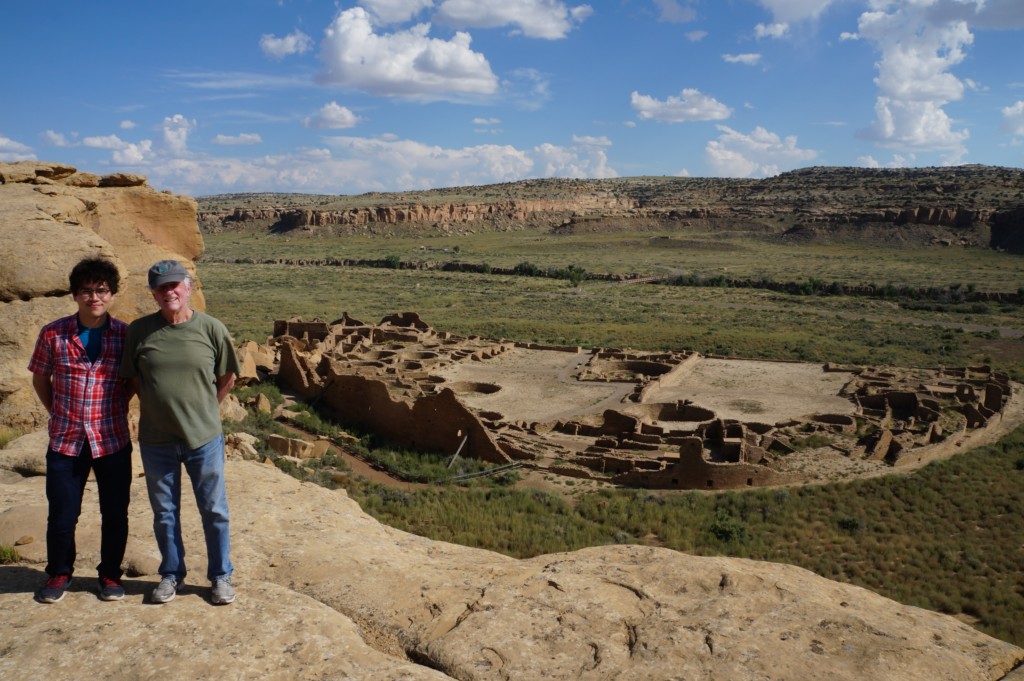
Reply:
x=540, y=386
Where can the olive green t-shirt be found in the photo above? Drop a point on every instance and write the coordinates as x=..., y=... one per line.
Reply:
x=176, y=365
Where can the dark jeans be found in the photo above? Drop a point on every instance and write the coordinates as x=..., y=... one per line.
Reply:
x=65, y=483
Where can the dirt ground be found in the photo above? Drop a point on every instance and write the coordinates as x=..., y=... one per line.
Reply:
x=539, y=385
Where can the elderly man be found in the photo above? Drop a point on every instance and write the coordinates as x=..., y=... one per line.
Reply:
x=75, y=374
x=182, y=364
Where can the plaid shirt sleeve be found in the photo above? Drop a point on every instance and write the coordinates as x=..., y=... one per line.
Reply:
x=89, y=400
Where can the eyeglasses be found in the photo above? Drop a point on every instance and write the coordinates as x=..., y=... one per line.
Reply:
x=90, y=292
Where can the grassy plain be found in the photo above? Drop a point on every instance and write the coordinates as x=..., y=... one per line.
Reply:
x=947, y=537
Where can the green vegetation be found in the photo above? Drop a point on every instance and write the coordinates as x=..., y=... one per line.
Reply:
x=8, y=554
x=946, y=538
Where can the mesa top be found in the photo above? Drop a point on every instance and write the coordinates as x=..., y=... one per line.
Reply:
x=176, y=365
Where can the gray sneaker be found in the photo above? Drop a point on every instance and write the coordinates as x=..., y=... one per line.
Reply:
x=223, y=593
x=166, y=590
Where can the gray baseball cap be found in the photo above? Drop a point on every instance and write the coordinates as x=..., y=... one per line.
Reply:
x=165, y=272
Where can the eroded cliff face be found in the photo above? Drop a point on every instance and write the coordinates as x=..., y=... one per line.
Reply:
x=958, y=206
x=326, y=592
x=55, y=216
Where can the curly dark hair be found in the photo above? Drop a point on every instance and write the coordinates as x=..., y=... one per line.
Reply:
x=94, y=271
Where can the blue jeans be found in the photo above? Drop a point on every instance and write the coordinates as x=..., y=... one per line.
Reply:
x=205, y=468
x=65, y=483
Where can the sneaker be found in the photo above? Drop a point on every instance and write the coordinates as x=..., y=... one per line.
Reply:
x=166, y=590
x=111, y=589
x=223, y=592
x=54, y=589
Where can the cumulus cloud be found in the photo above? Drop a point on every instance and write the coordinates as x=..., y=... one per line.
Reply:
x=691, y=105
x=295, y=42
x=104, y=142
x=674, y=11
x=127, y=125
x=395, y=11
x=234, y=140
x=919, y=44
x=749, y=58
x=548, y=19
x=56, y=139
x=777, y=30
x=332, y=116
x=134, y=153
x=404, y=63
x=12, y=151
x=353, y=164
x=759, y=154
x=1013, y=119
x=176, y=130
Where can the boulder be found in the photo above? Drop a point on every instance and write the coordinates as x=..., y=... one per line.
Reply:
x=57, y=216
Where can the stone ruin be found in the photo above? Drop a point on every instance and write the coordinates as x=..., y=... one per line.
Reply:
x=390, y=378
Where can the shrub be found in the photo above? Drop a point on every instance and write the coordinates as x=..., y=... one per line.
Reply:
x=9, y=554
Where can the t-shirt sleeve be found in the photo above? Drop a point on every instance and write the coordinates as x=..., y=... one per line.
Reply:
x=226, y=361
x=128, y=368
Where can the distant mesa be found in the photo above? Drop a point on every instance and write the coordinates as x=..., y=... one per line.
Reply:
x=958, y=206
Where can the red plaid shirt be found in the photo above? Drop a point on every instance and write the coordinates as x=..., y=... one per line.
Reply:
x=89, y=399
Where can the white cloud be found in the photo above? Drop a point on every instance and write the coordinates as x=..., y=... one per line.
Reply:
x=404, y=63
x=176, y=129
x=789, y=11
x=692, y=105
x=749, y=58
x=56, y=139
x=778, y=30
x=486, y=121
x=585, y=161
x=127, y=125
x=386, y=163
x=696, y=36
x=295, y=42
x=759, y=154
x=134, y=154
x=395, y=11
x=527, y=88
x=11, y=151
x=674, y=11
x=919, y=44
x=104, y=142
x=234, y=140
x=1013, y=119
x=590, y=141
x=549, y=19
x=332, y=116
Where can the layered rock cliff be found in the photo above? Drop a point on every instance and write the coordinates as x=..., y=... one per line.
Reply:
x=964, y=205
x=56, y=216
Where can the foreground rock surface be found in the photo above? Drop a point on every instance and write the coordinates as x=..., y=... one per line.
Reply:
x=325, y=591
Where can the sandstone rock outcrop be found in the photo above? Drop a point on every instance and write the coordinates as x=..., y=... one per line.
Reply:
x=326, y=592
x=56, y=216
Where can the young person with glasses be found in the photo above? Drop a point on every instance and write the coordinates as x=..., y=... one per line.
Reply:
x=75, y=374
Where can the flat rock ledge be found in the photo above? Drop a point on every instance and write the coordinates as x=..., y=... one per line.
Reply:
x=327, y=592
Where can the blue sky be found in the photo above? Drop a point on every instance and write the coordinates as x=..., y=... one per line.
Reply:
x=388, y=95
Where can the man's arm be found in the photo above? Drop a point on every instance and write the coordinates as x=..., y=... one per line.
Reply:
x=224, y=385
x=43, y=386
